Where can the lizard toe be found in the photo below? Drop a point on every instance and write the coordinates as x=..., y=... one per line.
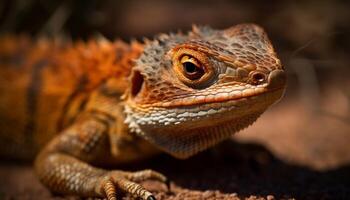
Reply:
x=109, y=190
x=134, y=189
x=111, y=184
x=146, y=175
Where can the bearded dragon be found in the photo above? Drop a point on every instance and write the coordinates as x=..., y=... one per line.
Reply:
x=86, y=105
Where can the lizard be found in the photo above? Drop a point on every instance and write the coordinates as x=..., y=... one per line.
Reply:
x=82, y=106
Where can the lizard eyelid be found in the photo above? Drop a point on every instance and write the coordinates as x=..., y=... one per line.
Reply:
x=192, y=67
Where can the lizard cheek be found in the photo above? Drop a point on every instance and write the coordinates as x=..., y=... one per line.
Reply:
x=137, y=81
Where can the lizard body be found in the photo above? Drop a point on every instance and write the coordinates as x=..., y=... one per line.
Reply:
x=105, y=103
x=47, y=84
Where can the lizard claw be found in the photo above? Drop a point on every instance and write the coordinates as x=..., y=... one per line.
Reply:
x=151, y=198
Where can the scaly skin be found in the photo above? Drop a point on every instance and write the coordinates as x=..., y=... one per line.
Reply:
x=183, y=94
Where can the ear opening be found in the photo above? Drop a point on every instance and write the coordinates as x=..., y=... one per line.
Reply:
x=137, y=81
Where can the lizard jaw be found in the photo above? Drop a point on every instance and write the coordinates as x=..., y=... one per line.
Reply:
x=185, y=131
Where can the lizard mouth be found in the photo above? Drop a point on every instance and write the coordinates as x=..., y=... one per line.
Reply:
x=181, y=114
x=235, y=95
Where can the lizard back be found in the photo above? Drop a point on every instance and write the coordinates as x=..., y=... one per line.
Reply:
x=45, y=84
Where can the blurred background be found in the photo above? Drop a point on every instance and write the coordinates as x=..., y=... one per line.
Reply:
x=309, y=128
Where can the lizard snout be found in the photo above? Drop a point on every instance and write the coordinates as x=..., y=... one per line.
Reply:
x=277, y=79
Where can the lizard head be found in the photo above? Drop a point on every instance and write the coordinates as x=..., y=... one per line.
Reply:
x=190, y=91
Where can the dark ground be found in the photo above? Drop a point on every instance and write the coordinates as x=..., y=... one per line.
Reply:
x=298, y=149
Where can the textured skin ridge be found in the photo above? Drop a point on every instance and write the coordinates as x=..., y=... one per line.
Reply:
x=254, y=55
x=100, y=103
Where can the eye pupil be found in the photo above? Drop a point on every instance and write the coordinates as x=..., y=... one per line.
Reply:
x=189, y=67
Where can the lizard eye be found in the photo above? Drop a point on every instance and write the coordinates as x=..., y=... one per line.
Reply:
x=192, y=67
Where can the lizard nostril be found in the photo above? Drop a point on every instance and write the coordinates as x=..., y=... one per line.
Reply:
x=258, y=77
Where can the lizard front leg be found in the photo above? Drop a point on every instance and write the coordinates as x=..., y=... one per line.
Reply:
x=63, y=165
